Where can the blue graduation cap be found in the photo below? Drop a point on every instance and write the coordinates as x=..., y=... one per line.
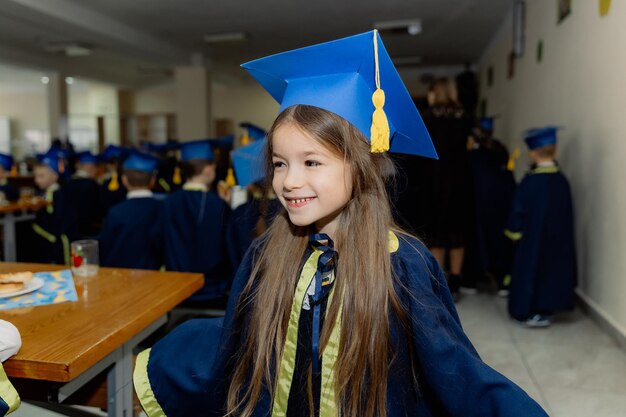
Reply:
x=539, y=137
x=138, y=161
x=197, y=149
x=342, y=76
x=223, y=142
x=6, y=161
x=53, y=159
x=112, y=152
x=162, y=147
x=86, y=157
x=254, y=132
x=248, y=162
x=486, y=123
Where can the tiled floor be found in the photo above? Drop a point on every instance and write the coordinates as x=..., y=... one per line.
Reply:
x=572, y=369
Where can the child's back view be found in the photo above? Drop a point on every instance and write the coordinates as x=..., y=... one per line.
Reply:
x=542, y=222
x=131, y=234
x=194, y=222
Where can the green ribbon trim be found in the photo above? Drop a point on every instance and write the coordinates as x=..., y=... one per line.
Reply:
x=166, y=187
x=515, y=236
x=44, y=233
x=194, y=186
x=8, y=393
x=545, y=170
x=143, y=388
x=66, y=249
x=328, y=405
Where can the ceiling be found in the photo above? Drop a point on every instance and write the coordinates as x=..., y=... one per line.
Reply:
x=138, y=42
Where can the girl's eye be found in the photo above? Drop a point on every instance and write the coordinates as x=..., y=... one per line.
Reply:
x=278, y=164
x=312, y=163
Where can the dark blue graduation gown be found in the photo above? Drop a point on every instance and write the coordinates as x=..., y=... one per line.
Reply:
x=242, y=225
x=11, y=193
x=544, y=268
x=132, y=235
x=195, y=225
x=83, y=195
x=494, y=187
x=188, y=372
x=110, y=198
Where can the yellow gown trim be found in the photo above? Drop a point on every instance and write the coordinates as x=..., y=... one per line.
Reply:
x=328, y=403
x=143, y=388
x=8, y=392
x=514, y=236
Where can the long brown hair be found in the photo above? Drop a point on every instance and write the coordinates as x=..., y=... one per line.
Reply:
x=364, y=283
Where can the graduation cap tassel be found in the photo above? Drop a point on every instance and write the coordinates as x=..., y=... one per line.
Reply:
x=512, y=158
x=114, y=184
x=379, y=137
x=13, y=170
x=245, y=139
x=230, y=178
x=176, y=178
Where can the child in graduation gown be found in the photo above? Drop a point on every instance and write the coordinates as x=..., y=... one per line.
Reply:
x=334, y=311
x=10, y=343
x=112, y=191
x=195, y=222
x=55, y=225
x=542, y=224
x=83, y=194
x=8, y=191
x=131, y=234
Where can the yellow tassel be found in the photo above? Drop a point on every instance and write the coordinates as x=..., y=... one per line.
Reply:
x=13, y=170
x=177, y=179
x=61, y=166
x=379, y=133
x=512, y=158
x=380, y=126
x=245, y=139
x=230, y=178
x=114, y=184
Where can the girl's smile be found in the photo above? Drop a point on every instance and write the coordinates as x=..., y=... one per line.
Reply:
x=311, y=182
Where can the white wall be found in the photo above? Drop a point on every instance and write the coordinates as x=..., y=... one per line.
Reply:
x=580, y=85
x=27, y=110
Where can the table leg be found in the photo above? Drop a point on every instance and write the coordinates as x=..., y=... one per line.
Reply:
x=120, y=378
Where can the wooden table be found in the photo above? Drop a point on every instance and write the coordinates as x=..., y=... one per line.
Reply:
x=69, y=343
x=11, y=214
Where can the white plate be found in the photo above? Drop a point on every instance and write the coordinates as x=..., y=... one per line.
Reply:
x=33, y=285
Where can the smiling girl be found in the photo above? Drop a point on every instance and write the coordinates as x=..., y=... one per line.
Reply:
x=334, y=311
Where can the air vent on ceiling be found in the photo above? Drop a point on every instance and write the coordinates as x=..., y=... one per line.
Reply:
x=222, y=37
x=69, y=48
x=400, y=27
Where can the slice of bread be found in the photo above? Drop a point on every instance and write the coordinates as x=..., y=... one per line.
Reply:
x=14, y=282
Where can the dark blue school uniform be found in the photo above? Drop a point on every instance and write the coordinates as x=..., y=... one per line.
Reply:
x=83, y=195
x=53, y=230
x=243, y=225
x=195, y=225
x=11, y=193
x=109, y=198
x=131, y=235
x=188, y=372
x=493, y=187
x=542, y=222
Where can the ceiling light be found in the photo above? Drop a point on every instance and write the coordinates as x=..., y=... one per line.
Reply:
x=45, y=80
x=69, y=80
x=225, y=37
x=410, y=26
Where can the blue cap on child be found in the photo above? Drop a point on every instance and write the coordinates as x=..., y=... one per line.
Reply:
x=6, y=161
x=87, y=157
x=248, y=162
x=197, y=149
x=486, y=123
x=223, y=142
x=346, y=77
x=539, y=137
x=111, y=152
x=138, y=161
x=53, y=159
x=254, y=132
